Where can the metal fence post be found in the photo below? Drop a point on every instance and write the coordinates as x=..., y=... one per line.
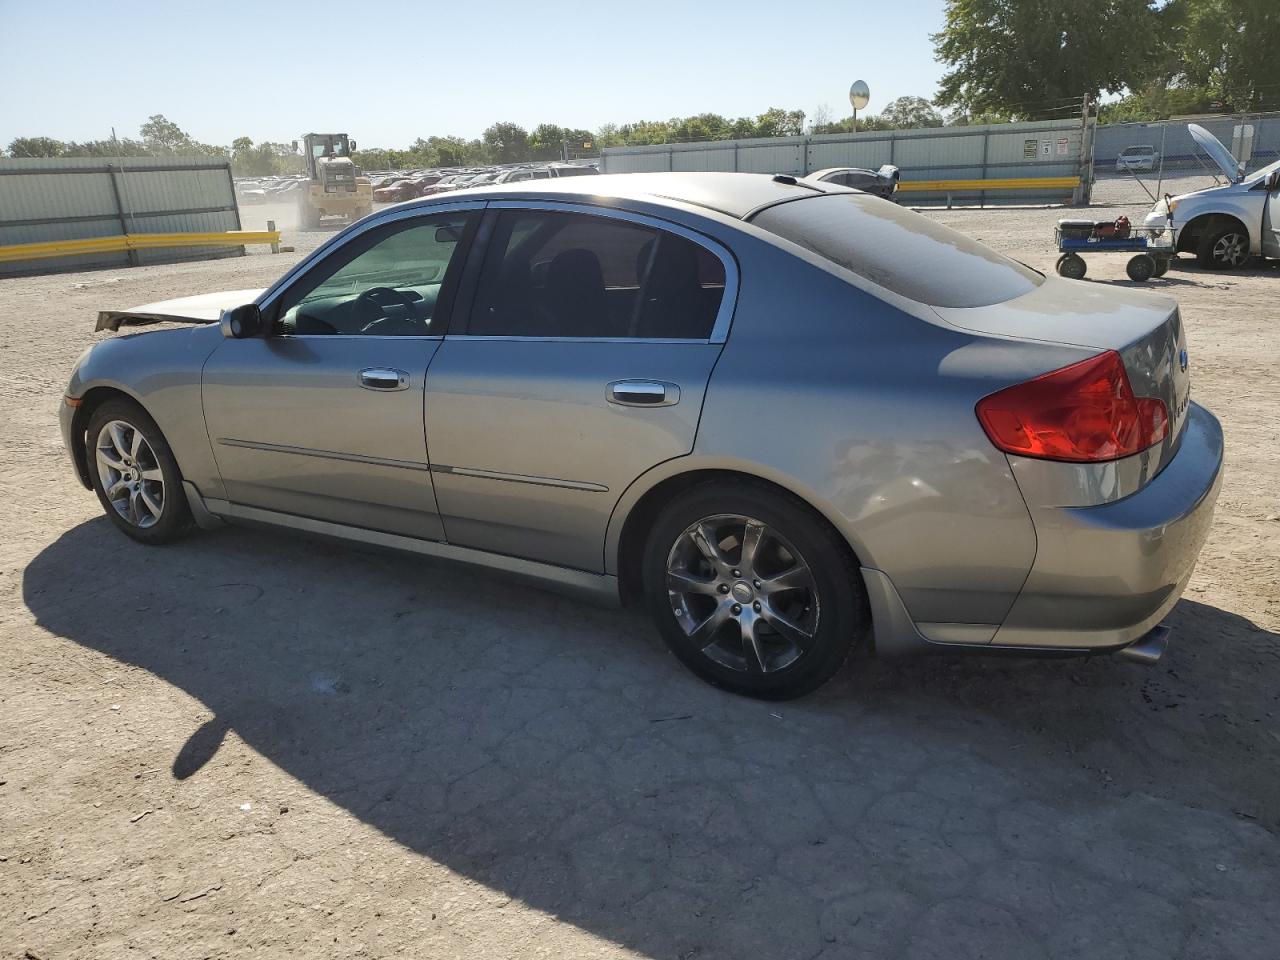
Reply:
x=124, y=225
x=986, y=154
x=235, y=202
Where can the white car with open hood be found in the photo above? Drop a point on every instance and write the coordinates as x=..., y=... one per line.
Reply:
x=1224, y=226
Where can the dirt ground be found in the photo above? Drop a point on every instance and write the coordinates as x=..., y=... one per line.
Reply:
x=254, y=744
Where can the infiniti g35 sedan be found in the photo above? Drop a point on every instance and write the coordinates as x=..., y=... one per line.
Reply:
x=787, y=417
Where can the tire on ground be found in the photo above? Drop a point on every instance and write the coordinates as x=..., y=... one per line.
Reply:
x=175, y=515
x=1209, y=240
x=843, y=612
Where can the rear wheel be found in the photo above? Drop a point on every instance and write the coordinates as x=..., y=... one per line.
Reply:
x=1162, y=266
x=134, y=473
x=1141, y=268
x=1226, y=248
x=1071, y=266
x=753, y=591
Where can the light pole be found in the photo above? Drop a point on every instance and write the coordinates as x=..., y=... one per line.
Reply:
x=859, y=97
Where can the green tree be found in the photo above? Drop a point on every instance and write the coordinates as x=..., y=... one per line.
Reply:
x=163, y=136
x=506, y=142
x=37, y=147
x=776, y=122
x=1033, y=58
x=1156, y=101
x=910, y=112
x=1227, y=48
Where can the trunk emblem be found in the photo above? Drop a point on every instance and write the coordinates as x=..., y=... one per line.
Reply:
x=1183, y=359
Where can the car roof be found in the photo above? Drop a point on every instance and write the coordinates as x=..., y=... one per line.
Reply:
x=737, y=195
x=818, y=174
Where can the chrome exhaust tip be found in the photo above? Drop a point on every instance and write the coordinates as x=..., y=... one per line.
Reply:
x=1148, y=648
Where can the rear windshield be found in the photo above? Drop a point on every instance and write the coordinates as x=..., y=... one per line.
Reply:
x=901, y=251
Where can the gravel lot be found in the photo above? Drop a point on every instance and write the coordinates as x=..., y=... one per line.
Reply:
x=253, y=744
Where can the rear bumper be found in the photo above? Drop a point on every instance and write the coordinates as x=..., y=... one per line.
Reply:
x=1105, y=575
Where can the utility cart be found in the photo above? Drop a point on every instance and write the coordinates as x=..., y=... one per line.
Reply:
x=1152, y=248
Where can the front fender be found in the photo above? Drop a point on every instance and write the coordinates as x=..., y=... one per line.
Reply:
x=1247, y=206
x=160, y=370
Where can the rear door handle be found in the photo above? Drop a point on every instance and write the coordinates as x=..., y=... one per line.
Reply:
x=643, y=393
x=384, y=378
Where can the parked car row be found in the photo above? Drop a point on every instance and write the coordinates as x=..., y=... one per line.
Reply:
x=266, y=189
x=397, y=187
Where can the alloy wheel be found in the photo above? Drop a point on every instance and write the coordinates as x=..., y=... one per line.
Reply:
x=130, y=473
x=742, y=594
x=1231, y=249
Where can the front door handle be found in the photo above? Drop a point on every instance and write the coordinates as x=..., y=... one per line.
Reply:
x=643, y=393
x=384, y=378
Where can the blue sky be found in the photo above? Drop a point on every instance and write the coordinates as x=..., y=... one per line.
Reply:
x=391, y=70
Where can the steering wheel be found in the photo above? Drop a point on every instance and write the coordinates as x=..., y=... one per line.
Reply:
x=373, y=301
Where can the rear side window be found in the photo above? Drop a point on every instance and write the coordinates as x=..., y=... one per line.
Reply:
x=901, y=251
x=553, y=274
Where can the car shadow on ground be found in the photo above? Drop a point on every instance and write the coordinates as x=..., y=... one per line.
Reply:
x=554, y=751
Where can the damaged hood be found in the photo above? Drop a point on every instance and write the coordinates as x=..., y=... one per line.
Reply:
x=1220, y=155
x=205, y=308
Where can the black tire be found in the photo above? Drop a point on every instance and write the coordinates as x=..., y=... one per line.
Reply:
x=831, y=611
x=1141, y=268
x=1071, y=266
x=134, y=517
x=1226, y=248
x=1162, y=266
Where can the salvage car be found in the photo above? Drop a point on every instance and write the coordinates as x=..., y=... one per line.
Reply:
x=1139, y=158
x=731, y=397
x=1227, y=225
x=880, y=183
x=395, y=191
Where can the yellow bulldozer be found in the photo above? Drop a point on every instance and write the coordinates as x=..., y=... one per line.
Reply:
x=336, y=188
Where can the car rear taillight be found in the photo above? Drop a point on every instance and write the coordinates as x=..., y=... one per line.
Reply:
x=1084, y=413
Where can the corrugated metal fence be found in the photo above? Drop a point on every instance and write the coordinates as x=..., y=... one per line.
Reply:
x=1255, y=139
x=84, y=197
x=1049, y=148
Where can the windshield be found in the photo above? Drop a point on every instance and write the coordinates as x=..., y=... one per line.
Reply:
x=901, y=251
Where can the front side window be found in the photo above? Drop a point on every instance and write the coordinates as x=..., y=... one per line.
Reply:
x=553, y=274
x=900, y=250
x=385, y=283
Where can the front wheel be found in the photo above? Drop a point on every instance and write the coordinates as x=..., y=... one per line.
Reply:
x=1224, y=249
x=753, y=591
x=134, y=473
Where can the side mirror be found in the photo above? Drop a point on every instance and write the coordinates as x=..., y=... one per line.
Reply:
x=352, y=146
x=242, y=323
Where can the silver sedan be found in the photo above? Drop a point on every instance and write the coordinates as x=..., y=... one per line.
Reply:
x=786, y=416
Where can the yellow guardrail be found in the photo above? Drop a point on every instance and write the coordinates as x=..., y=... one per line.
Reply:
x=135, y=241
x=1012, y=183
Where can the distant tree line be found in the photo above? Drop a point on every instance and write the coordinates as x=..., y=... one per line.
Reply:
x=1005, y=60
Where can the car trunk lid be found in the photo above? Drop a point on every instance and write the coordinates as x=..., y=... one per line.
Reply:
x=1144, y=328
